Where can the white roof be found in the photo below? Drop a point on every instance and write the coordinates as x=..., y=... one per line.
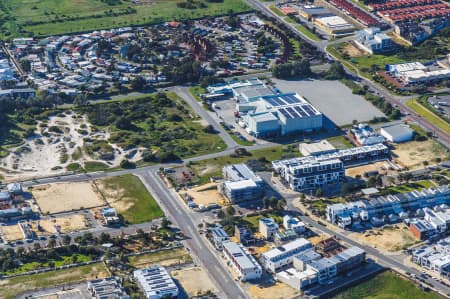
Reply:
x=286, y=248
x=240, y=184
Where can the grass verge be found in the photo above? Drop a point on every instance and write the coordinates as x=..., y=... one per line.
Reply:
x=131, y=199
x=428, y=115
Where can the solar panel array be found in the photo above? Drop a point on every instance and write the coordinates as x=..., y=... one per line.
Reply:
x=298, y=111
x=290, y=99
x=295, y=107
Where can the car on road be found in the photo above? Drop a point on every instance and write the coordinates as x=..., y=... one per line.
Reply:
x=43, y=238
x=19, y=242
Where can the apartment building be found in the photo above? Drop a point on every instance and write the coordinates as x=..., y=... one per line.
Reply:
x=282, y=256
x=241, y=183
x=267, y=228
x=247, y=267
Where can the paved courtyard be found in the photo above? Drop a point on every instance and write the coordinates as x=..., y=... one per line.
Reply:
x=333, y=99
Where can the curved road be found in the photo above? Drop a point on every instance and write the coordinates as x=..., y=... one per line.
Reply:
x=441, y=135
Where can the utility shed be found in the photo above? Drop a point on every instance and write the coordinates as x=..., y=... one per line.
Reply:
x=397, y=133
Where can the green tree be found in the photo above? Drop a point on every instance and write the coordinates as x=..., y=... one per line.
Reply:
x=230, y=210
x=165, y=223
x=319, y=192
x=66, y=240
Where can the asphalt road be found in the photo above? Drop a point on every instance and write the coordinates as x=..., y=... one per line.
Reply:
x=177, y=213
x=384, y=260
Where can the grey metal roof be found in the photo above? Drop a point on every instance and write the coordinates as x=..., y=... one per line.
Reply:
x=397, y=130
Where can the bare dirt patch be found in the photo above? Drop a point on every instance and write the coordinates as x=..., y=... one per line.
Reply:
x=392, y=238
x=164, y=258
x=413, y=154
x=61, y=197
x=115, y=197
x=381, y=167
x=207, y=194
x=11, y=232
x=353, y=50
x=194, y=280
x=64, y=224
x=276, y=291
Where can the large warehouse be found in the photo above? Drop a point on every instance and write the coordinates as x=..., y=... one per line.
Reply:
x=280, y=114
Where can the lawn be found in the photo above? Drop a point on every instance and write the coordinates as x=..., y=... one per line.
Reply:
x=386, y=285
x=308, y=33
x=165, y=257
x=208, y=168
x=276, y=10
x=63, y=260
x=240, y=141
x=365, y=62
x=130, y=197
x=91, y=166
x=17, y=285
x=253, y=221
x=405, y=188
x=49, y=17
x=196, y=91
x=428, y=115
x=340, y=142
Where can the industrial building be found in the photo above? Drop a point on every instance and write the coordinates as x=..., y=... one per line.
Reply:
x=310, y=267
x=390, y=208
x=282, y=256
x=366, y=135
x=280, y=114
x=267, y=228
x=397, y=133
x=155, y=282
x=417, y=72
x=247, y=267
x=435, y=258
x=311, y=12
x=110, y=288
x=241, y=183
x=316, y=148
x=334, y=25
x=311, y=172
x=218, y=237
x=373, y=41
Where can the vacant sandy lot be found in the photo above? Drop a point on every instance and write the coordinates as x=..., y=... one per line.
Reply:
x=381, y=167
x=164, y=258
x=206, y=194
x=66, y=224
x=413, y=154
x=11, y=232
x=115, y=197
x=55, y=198
x=391, y=239
x=353, y=51
x=277, y=291
x=194, y=280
